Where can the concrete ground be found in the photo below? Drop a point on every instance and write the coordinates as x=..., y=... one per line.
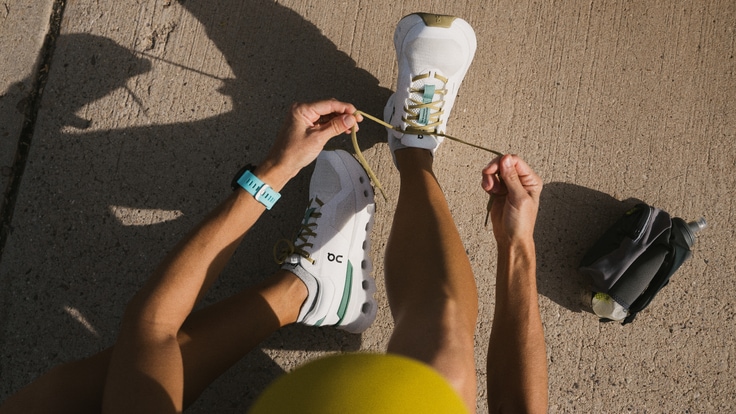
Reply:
x=137, y=114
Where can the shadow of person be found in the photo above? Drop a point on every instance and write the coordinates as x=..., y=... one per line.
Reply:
x=83, y=261
x=571, y=218
x=277, y=57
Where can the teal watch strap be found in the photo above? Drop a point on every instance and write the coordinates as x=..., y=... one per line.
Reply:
x=263, y=193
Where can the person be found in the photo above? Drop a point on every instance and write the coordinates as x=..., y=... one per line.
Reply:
x=166, y=354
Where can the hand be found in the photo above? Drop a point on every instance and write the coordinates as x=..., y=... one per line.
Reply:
x=305, y=132
x=516, y=201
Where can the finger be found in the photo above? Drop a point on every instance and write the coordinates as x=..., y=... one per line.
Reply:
x=510, y=175
x=489, y=175
x=492, y=167
x=522, y=168
x=313, y=111
x=343, y=123
x=531, y=182
x=492, y=184
x=335, y=126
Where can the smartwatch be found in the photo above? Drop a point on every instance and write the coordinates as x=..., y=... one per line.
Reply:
x=262, y=192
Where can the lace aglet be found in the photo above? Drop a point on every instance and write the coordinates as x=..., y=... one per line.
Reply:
x=385, y=198
x=488, y=209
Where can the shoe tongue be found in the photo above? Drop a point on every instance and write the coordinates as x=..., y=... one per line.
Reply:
x=426, y=50
x=420, y=82
x=426, y=89
x=428, y=97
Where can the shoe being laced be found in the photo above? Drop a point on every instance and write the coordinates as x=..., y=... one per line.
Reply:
x=331, y=253
x=434, y=53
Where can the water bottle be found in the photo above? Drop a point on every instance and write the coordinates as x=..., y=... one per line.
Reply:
x=693, y=228
x=606, y=308
x=683, y=234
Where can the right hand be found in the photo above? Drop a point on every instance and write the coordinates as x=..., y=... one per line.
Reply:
x=305, y=132
x=516, y=188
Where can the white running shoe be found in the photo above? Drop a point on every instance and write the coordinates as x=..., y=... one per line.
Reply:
x=331, y=253
x=434, y=53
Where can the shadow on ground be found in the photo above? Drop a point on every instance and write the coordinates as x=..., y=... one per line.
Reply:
x=571, y=218
x=72, y=256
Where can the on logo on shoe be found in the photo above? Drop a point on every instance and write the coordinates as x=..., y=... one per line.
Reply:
x=334, y=258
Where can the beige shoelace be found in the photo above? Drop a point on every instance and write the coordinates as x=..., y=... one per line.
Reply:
x=412, y=130
x=423, y=116
x=285, y=248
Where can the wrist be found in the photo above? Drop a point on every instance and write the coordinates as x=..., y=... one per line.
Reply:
x=273, y=174
x=521, y=246
x=246, y=180
x=517, y=260
x=516, y=281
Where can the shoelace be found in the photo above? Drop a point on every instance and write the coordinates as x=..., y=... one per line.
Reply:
x=423, y=116
x=285, y=248
x=364, y=163
x=430, y=112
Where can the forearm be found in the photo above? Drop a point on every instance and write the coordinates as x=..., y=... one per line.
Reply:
x=517, y=362
x=193, y=265
x=147, y=350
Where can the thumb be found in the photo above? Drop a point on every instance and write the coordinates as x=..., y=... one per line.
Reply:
x=511, y=176
x=340, y=124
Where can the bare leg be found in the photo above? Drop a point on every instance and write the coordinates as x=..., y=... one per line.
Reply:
x=429, y=280
x=211, y=340
x=158, y=336
x=73, y=387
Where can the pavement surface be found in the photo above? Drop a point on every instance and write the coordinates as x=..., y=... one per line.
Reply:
x=122, y=123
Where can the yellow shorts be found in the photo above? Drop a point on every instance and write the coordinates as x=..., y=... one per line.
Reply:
x=360, y=383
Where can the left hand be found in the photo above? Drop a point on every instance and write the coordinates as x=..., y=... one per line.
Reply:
x=516, y=188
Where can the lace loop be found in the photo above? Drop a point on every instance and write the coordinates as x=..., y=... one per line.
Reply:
x=423, y=116
x=367, y=168
x=301, y=241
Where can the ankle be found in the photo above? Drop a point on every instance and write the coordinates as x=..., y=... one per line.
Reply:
x=286, y=293
x=408, y=159
x=332, y=262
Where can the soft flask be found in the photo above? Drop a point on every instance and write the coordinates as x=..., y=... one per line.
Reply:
x=634, y=260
